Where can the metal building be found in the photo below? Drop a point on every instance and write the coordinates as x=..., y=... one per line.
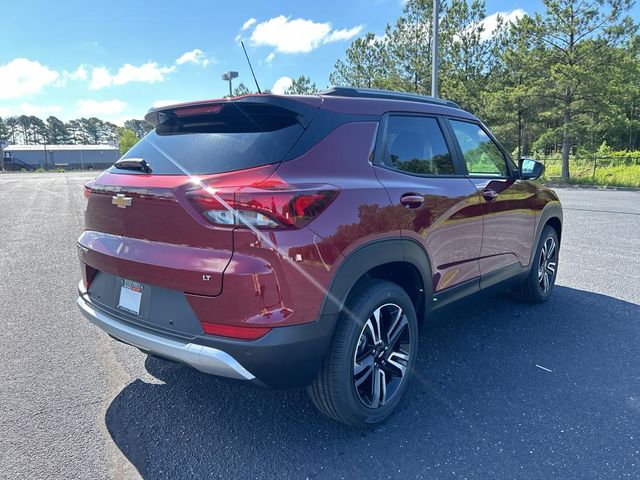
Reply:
x=69, y=157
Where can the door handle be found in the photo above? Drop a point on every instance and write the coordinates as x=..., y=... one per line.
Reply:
x=489, y=195
x=412, y=200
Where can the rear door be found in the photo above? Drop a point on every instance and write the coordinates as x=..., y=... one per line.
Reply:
x=508, y=221
x=435, y=203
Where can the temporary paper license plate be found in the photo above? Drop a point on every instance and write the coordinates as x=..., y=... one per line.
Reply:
x=130, y=296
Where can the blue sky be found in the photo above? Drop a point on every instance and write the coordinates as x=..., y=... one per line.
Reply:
x=115, y=59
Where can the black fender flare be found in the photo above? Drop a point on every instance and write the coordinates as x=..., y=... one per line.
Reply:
x=551, y=210
x=369, y=256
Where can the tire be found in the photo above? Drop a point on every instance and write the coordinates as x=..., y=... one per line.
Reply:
x=362, y=347
x=539, y=284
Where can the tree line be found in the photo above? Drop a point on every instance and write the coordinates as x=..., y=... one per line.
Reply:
x=31, y=130
x=564, y=81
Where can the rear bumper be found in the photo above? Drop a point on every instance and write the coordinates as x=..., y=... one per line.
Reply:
x=284, y=358
x=200, y=357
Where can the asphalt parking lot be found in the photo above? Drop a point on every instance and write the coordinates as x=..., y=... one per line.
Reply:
x=503, y=390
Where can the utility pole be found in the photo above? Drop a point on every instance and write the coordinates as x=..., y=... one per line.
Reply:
x=434, y=50
x=1, y=156
x=228, y=77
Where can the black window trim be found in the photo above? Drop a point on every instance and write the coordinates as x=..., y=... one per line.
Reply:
x=512, y=170
x=378, y=156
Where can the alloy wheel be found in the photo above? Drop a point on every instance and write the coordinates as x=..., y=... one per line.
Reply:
x=382, y=355
x=547, y=264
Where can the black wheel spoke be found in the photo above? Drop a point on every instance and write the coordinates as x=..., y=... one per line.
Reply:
x=547, y=264
x=382, y=355
x=396, y=329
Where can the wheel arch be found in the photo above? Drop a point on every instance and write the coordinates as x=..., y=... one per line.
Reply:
x=400, y=260
x=551, y=215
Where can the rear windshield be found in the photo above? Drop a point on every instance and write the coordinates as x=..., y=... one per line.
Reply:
x=236, y=138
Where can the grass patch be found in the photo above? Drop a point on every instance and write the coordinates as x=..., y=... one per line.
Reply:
x=605, y=175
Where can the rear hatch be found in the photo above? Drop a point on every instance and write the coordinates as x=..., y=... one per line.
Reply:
x=142, y=223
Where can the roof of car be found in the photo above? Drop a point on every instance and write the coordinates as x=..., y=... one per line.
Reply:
x=385, y=94
x=338, y=99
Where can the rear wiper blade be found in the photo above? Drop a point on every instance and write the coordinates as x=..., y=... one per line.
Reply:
x=133, y=164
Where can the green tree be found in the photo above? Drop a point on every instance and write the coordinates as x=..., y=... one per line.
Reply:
x=408, y=46
x=364, y=65
x=509, y=100
x=301, y=86
x=5, y=133
x=577, y=36
x=56, y=131
x=127, y=138
x=139, y=127
x=468, y=53
x=12, y=125
x=241, y=89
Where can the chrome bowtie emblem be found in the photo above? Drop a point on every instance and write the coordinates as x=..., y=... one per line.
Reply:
x=121, y=201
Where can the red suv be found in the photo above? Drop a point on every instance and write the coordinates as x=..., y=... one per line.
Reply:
x=301, y=241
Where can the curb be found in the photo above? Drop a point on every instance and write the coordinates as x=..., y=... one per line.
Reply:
x=591, y=187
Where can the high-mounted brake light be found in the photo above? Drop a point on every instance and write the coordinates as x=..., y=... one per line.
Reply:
x=264, y=206
x=184, y=112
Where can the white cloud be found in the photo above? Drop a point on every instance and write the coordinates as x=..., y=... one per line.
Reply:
x=281, y=85
x=195, y=56
x=490, y=23
x=119, y=121
x=164, y=103
x=24, y=108
x=344, y=34
x=96, y=108
x=79, y=73
x=270, y=57
x=149, y=72
x=248, y=23
x=100, y=78
x=22, y=76
x=298, y=35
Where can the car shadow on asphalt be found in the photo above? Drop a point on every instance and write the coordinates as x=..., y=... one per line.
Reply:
x=501, y=389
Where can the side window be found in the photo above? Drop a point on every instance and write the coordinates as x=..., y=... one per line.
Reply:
x=481, y=154
x=416, y=145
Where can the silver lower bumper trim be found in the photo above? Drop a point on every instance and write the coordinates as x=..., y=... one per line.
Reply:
x=203, y=358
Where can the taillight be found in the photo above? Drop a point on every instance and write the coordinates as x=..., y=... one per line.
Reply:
x=87, y=188
x=273, y=206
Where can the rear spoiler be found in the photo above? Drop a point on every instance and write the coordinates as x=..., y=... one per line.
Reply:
x=303, y=106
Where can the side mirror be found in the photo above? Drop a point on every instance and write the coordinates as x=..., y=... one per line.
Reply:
x=530, y=169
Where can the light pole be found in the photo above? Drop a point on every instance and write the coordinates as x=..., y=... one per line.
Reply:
x=434, y=50
x=228, y=77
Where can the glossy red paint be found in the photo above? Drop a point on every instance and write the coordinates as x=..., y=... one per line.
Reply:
x=448, y=224
x=509, y=222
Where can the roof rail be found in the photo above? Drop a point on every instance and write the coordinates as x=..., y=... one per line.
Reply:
x=385, y=94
